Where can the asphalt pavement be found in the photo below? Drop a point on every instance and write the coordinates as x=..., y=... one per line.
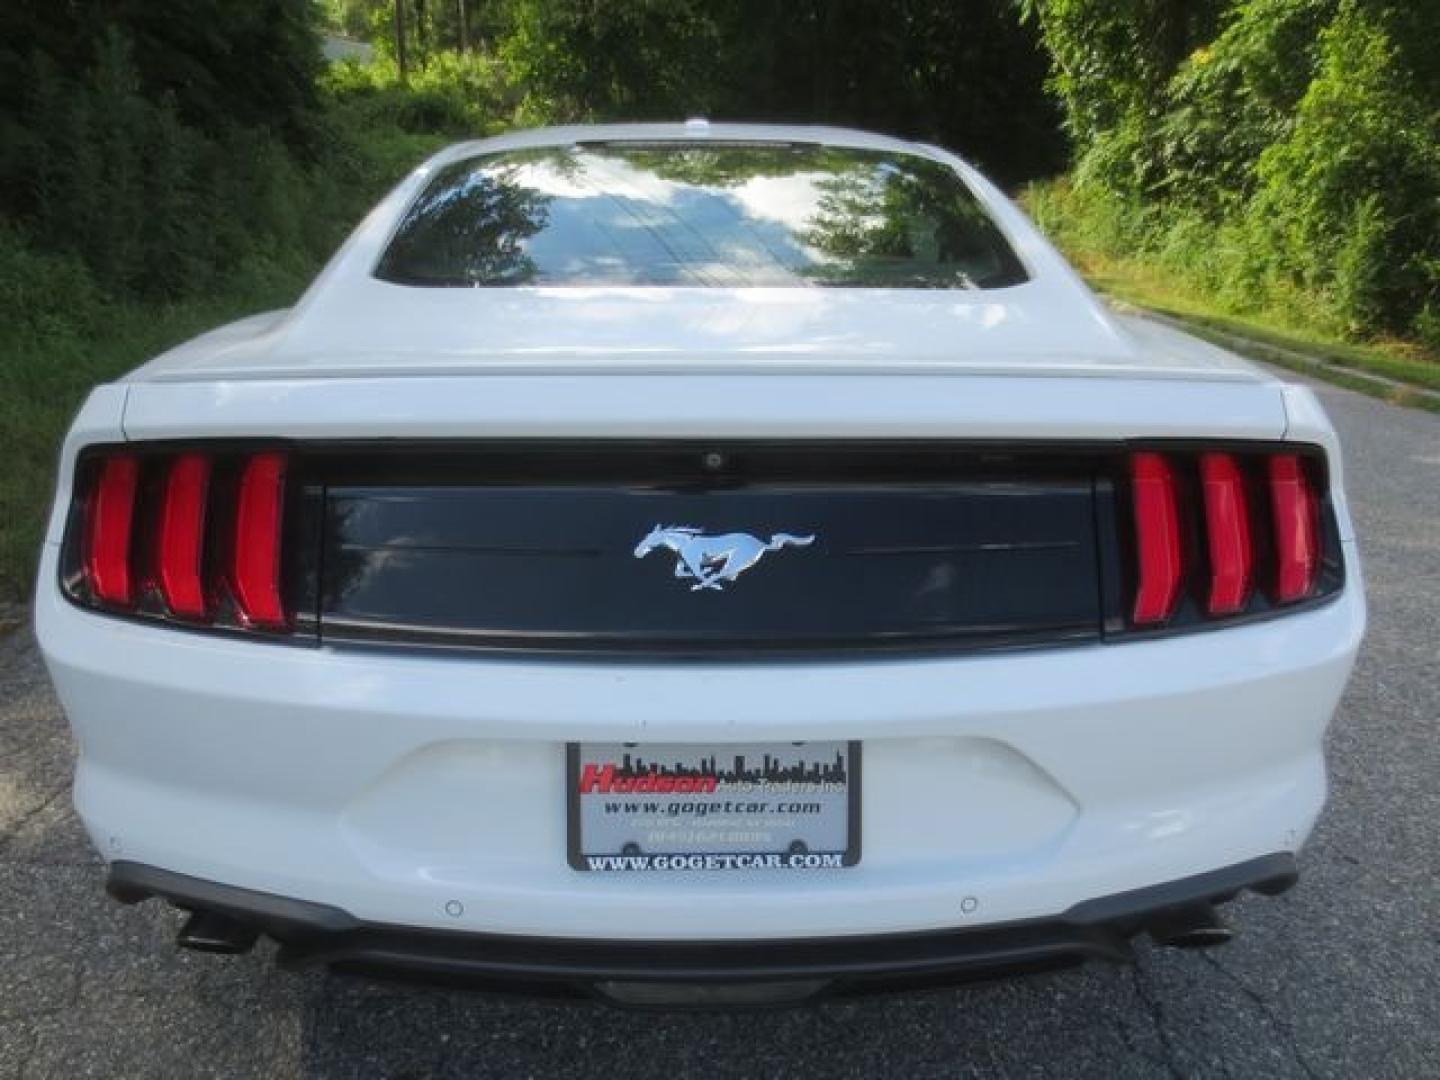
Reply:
x=1339, y=978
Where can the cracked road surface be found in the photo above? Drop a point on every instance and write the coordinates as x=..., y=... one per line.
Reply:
x=1339, y=978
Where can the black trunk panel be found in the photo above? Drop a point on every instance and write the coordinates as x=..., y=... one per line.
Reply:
x=534, y=549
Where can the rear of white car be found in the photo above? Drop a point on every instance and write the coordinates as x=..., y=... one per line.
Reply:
x=698, y=642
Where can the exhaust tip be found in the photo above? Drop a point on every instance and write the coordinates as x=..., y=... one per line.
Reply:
x=1197, y=926
x=211, y=932
x=1206, y=937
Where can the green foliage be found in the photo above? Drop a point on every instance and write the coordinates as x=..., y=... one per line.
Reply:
x=1231, y=99
x=162, y=146
x=458, y=95
x=964, y=73
x=1427, y=327
x=1111, y=60
x=1349, y=202
x=432, y=27
x=640, y=59
x=351, y=18
x=1290, y=160
x=1196, y=272
x=222, y=63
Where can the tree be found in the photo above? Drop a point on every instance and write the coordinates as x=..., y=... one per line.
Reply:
x=400, y=58
x=964, y=73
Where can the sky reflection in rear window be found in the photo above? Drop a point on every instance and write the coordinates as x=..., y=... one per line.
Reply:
x=713, y=215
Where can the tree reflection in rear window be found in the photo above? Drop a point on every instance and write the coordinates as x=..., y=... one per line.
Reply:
x=726, y=215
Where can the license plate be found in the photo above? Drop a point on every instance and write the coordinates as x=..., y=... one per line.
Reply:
x=756, y=806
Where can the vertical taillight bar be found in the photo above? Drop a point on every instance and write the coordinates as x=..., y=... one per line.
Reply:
x=180, y=547
x=1157, y=539
x=109, y=521
x=1295, y=517
x=1227, y=531
x=181, y=534
x=255, y=562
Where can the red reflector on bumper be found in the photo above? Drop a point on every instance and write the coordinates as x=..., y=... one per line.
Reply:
x=1157, y=538
x=1227, y=530
x=108, y=527
x=255, y=560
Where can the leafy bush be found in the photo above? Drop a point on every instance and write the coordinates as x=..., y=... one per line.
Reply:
x=1427, y=323
x=152, y=206
x=1349, y=202
x=1289, y=161
x=455, y=94
x=1232, y=98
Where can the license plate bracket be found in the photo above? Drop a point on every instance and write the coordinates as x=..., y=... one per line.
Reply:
x=730, y=806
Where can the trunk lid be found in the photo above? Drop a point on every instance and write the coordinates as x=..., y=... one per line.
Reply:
x=372, y=329
x=707, y=548
x=777, y=405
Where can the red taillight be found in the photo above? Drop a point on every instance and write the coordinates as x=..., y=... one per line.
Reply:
x=255, y=555
x=108, y=527
x=1294, y=514
x=1235, y=541
x=147, y=520
x=180, y=549
x=1157, y=538
x=1227, y=530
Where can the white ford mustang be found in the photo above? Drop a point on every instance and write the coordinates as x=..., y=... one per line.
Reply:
x=698, y=563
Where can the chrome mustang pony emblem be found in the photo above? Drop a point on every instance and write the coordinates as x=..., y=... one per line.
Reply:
x=710, y=560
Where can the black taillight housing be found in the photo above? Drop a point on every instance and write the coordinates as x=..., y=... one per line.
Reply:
x=1213, y=534
x=193, y=535
x=244, y=536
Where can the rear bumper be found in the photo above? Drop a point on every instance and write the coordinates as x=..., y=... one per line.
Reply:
x=429, y=791
x=706, y=972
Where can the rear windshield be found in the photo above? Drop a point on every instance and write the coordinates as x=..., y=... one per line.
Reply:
x=676, y=214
